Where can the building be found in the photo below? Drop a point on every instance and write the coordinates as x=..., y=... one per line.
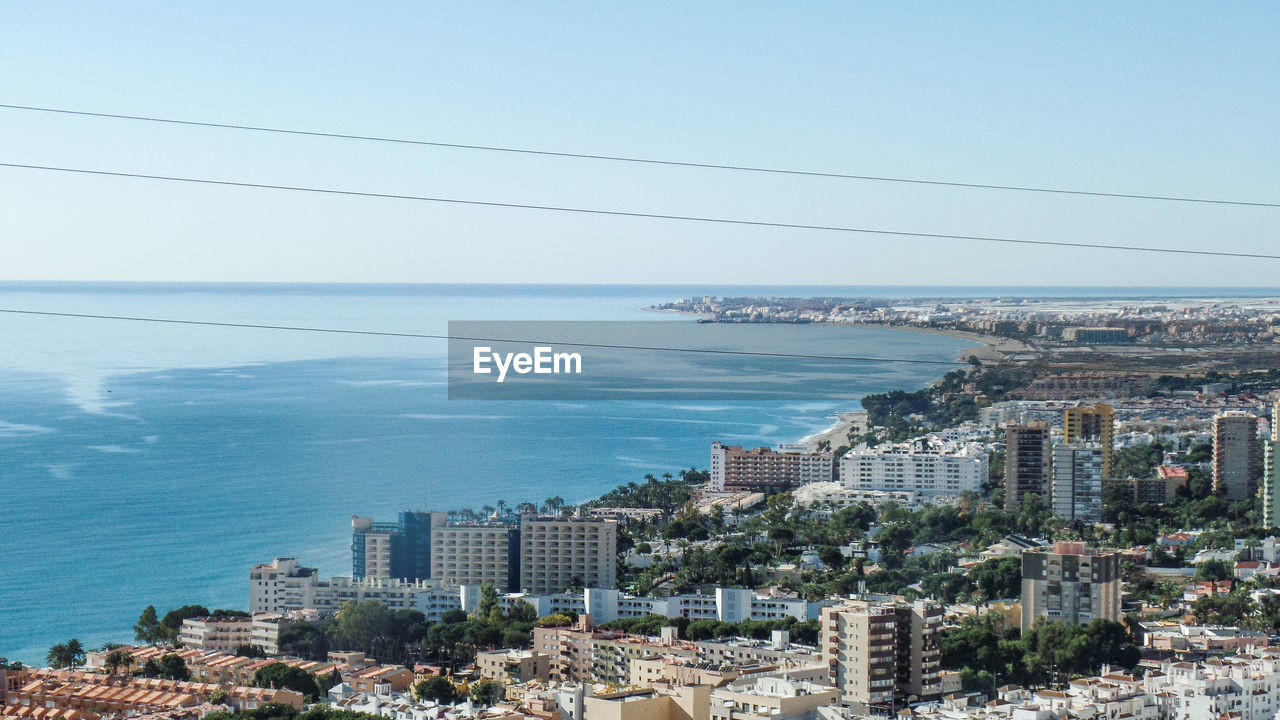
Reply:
x=882, y=653
x=1070, y=584
x=1095, y=334
x=222, y=634
x=1093, y=425
x=264, y=632
x=557, y=554
x=1271, y=473
x=773, y=696
x=927, y=467
x=281, y=585
x=399, y=550
x=1160, y=489
x=1027, y=464
x=481, y=554
x=736, y=468
x=1076, y=491
x=88, y=696
x=513, y=666
x=1237, y=462
x=584, y=653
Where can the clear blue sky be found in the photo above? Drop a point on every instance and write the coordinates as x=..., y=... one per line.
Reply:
x=1159, y=98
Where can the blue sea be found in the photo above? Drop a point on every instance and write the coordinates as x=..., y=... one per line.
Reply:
x=152, y=464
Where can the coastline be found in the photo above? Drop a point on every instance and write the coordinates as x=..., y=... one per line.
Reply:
x=988, y=349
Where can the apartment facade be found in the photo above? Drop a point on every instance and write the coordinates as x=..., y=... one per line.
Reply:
x=1070, y=584
x=1076, y=490
x=400, y=550
x=927, y=468
x=734, y=468
x=1093, y=425
x=883, y=653
x=1028, y=463
x=476, y=555
x=1271, y=473
x=557, y=554
x=222, y=634
x=513, y=666
x=1237, y=462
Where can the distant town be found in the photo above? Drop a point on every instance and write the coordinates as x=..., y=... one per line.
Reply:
x=1041, y=534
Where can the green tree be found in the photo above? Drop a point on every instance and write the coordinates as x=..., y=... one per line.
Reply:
x=281, y=676
x=117, y=660
x=436, y=688
x=1213, y=570
x=998, y=578
x=147, y=629
x=171, y=623
x=487, y=692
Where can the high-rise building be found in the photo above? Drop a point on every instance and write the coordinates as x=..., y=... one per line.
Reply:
x=736, y=468
x=1076, y=492
x=1093, y=425
x=883, y=653
x=561, y=553
x=399, y=550
x=1027, y=463
x=1271, y=473
x=1070, y=584
x=1237, y=462
x=482, y=554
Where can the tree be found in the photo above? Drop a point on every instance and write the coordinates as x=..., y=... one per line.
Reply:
x=1213, y=570
x=171, y=623
x=487, y=692
x=58, y=657
x=436, y=688
x=998, y=578
x=147, y=629
x=169, y=667
x=281, y=676
x=117, y=660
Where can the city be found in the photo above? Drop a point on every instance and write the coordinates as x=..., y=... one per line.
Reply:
x=1096, y=556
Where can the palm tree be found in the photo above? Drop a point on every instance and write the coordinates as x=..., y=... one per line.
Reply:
x=75, y=652
x=117, y=659
x=57, y=657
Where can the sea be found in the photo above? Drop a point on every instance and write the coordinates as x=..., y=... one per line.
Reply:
x=147, y=463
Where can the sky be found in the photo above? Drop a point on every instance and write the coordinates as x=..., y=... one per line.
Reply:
x=1161, y=98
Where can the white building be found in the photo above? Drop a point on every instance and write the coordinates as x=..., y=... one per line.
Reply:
x=221, y=634
x=927, y=467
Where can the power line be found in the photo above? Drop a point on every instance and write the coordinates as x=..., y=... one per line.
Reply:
x=652, y=216
x=433, y=336
x=647, y=161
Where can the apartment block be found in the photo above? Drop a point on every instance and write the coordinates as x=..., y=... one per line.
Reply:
x=1076, y=490
x=281, y=585
x=557, y=554
x=585, y=653
x=399, y=550
x=222, y=634
x=1070, y=584
x=734, y=468
x=1271, y=473
x=476, y=555
x=513, y=666
x=1237, y=462
x=1028, y=463
x=1093, y=425
x=881, y=653
x=926, y=467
